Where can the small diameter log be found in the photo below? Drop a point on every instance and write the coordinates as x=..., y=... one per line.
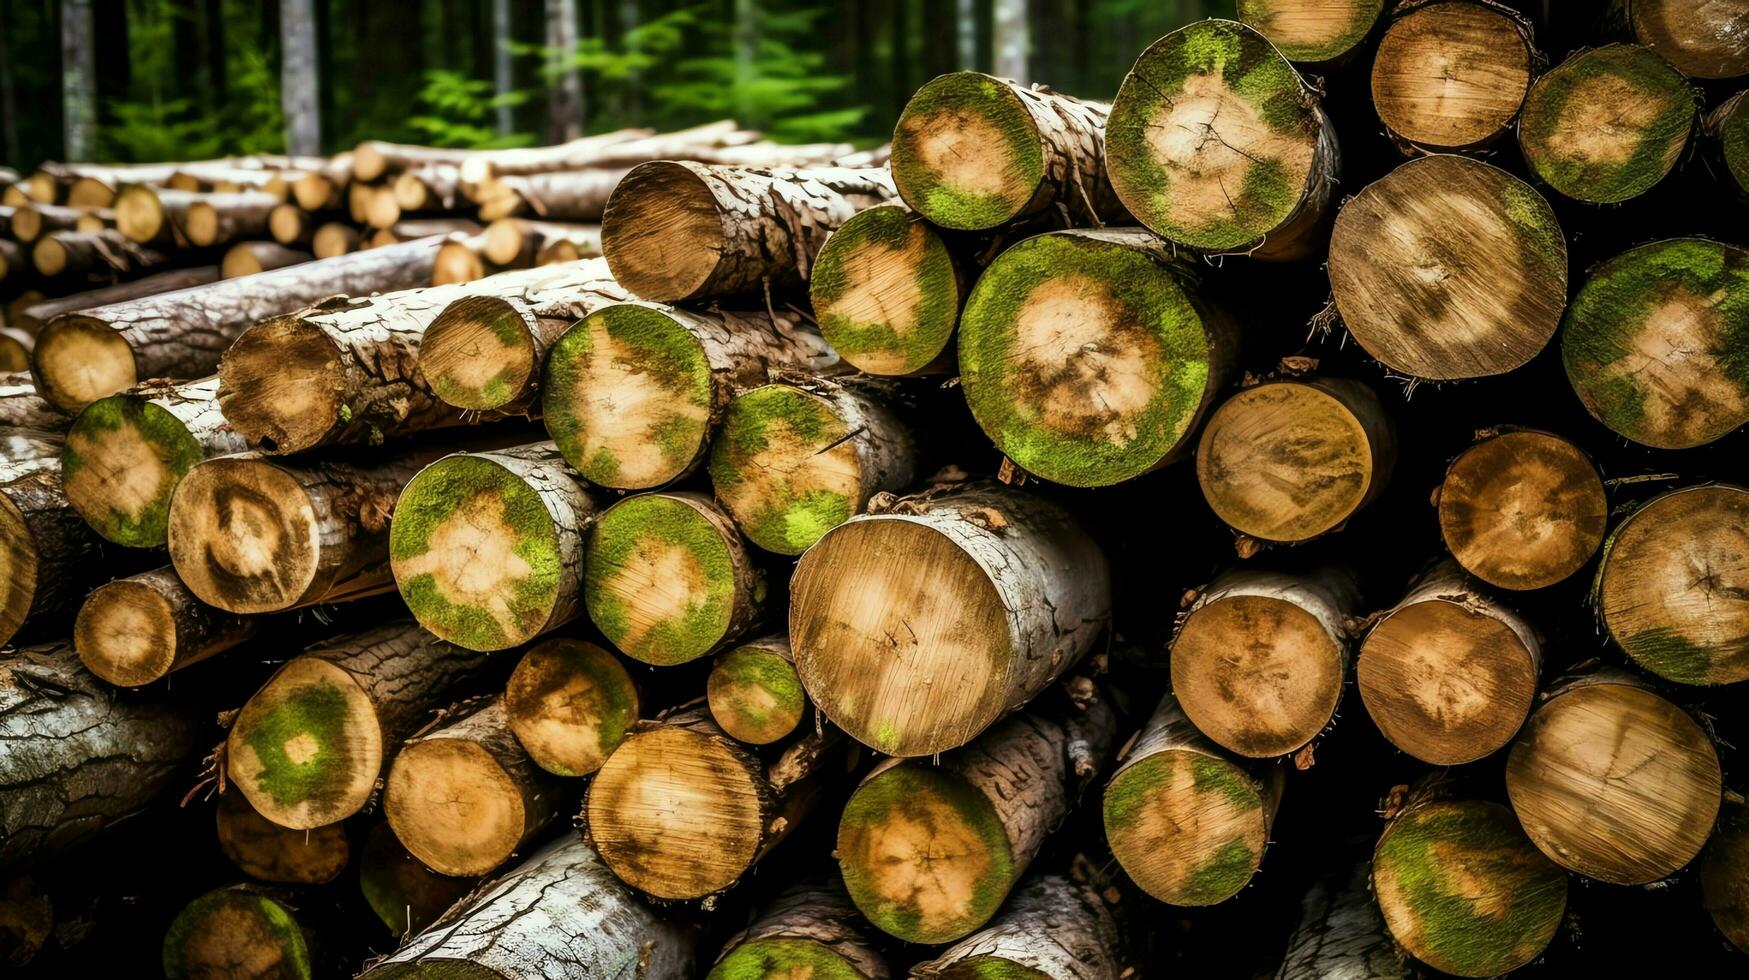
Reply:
x=81, y=357
x=985, y=596
x=1673, y=589
x=1187, y=822
x=125, y=454
x=808, y=931
x=1703, y=40
x=98, y=257
x=291, y=226
x=307, y=749
x=30, y=222
x=15, y=262
x=406, y=895
x=1287, y=461
x=681, y=811
x=676, y=230
x=241, y=932
x=359, y=198
x=1087, y=356
x=47, y=553
x=633, y=392
x=265, y=851
x=793, y=461
x=1051, y=928
x=561, y=913
x=376, y=159
x=15, y=348
x=459, y=260
x=1449, y=268
x=1523, y=509
x=248, y=258
x=1450, y=75
x=402, y=231
x=463, y=798
x=570, y=703
x=930, y=851
x=1216, y=143
x=667, y=579
x=484, y=352
x=558, y=195
x=80, y=756
x=1607, y=124
x=887, y=292
x=517, y=241
x=22, y=408
x=1464, y=891
x=42, y=311
x=1341, y=935
x=1612, y=781
x=972, y=152
x=218, y=219
x=1724, y=875
x=1653, y=342
x=487, y=548
x=1449, y=674
x=754, y=693
x=334, y=238
x=134, y=630
x=1260, y=660
x=1312, y=32
x=1726, y=129
x=433, y=187
x=156, y=216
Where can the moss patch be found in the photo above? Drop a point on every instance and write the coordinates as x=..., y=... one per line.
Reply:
x=783, y=959
x=507, y=326
x=1311, y=47
x=904, y=340
x=991, y=968
x=987, y=117
x=1670, y=656
x=232, y=916
x=757, y=694
x=161, y=435
x=1221, y=876
x=775, y=512
x=1734, y=142
x=623, y=536
x=313, y=712
x=1586, y=177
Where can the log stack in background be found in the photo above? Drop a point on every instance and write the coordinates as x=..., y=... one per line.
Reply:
x=1288, y=520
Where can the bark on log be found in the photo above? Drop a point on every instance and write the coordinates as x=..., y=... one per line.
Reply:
x=95, y=257
x=570, y=703
x=30, y=222
x=219, y=219
x=1450, y=75
x=1522, y=509
x=135, y=630
x=887, y=291
x=309, y=747
x=1312, y=32
x=15, y=264
x=376, y=159
x=1703, y=40
x=156, y=216
x=401, y=231
x=810, y=930
x=520, y=242
x=265, y=851
x=47, y=554
x=1078, y=382
x=1724, y=875
x=625, y=147
x=406, y=895
x=988, y=596
x=753, y=691
x=322, y=188
x=22, y=408
x=42, y=311
x=1342, y=935
x=1449, y=268
x=430, y=187
x=1052, y=928
x=291, y=225
x=1727, y=133
x=245, y=932
x=249, y=258
x=1612, y=781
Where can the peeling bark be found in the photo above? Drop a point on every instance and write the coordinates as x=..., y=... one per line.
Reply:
x=1053, y=927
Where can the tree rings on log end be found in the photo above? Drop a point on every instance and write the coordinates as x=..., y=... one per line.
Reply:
x=1451, y=75
x=244, y=535
x=126, y=633
x=281, y=385
x=479, y=354
x=570, y=704
x=662, y=231
x=78, y=360
x=233, y=932
x=123, y=458
x=754, y=693
x=1523, y=510
x=454, y=806
x=1312, y=31
x=887, y=292
x=966, y=152
x=307, y=748
x=1188, y=827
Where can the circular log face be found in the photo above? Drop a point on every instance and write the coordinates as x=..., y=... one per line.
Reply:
x=675, y=813
x=1451, y=75
x=1189, y=828
x=307, y=749
x=784, y=958
x=1615, y=783
x=1523, y=510
x=1464, y=891
x=785, y=465
x=233, y=932
x=1674, y=590
x=659, y=578
x=1083, y=359
x=1449, y=268
x=79, y=360
x=265, y=851
x=662, y=232
x=453, y=806
x=456, y=262
x=1607, y=124
x=628, y=396
x=886, y=291
x=244, y=535
x=1732, y=133
x=1213, y=140
x=288, y=224
x=406, y=895
x=1707, y=39
x=126, y=633
x=1654, y=339
x=49, y=256
x=139, y=214
x=924, y=854
x=478, y=353
x=966, y=152
x=570, y=703
x=201, y=224
x=1724, y=876
x=755, y=695
x=123, y=458
x=19, y=563
x=282, y=384
x=1312, y=31
x=1256, y=674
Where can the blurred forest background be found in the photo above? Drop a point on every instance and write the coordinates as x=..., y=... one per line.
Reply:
x=139, y=80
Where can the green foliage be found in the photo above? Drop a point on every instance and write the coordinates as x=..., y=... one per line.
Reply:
x=458, y=112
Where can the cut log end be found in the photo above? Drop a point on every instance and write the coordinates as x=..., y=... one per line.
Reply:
x=1523, y=510
x=786, y=466
x=14, y=355
x=307, y=748
x=244, y=535
x=1312, y=31
x=785, y=958
x=236, y=931
x=140, y=215
x=457, y=262
x=662, y=232
x=1703, y=40
x=967, y=153
x=887, y=293
x=1188, y=827
x=249, y=258
x=454, y=806
x=570, y=704
x=334, y=238
x=265, y=851
x=123, y=458
x=281, y=385
x=755, y=695
x=79, y=360
x=289, y=224
x=1451, y=75
x=126, y=633
x=479, y=353
x=406, y=895
x=49, y=255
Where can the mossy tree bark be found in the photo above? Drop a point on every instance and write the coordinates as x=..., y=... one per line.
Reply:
x=1703, y=40
x=96, y=258
x=1051, y=928
x=1312, y=32
x=887, y=290
x=135, y=630
x=754, y=693
x=570, y=703
x=47, y=552
x=1724, y=875
x=241, y=931
x=406, y=895
x=810, y=930
x=1342, y=935
x=265, y=851
x=1450, y=75
x=249, y=258
x=1522, y=509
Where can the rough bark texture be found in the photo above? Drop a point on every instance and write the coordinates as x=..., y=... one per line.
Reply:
x=94, y=257
x=1523, y=509
x=1341, y=935
x=47, y=554
x=375, y=159
x=22, y=408
x=170, y=280
x=808, y=927
x=560, y=195
x=1450, y=75
x=135, y=630
x=1052, y=928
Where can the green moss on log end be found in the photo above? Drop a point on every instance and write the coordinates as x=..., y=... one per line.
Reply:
x=886, y=291
x=966, y=153
x=1733, y=134
x=219, y=930
x=576, y=687
x=314, y=717
x=1465, y=890
x=404, y=894
x=783, y=958
x=1196, y=844
x=1112, y=394
x=1607, y=124
x=991, y=968
x=768, y=466
x=755, y=695
x=464, y=388
x=635, y=545
x=1308, y=39
x=928, y=814
x=1656, y=343
x=1673, y=657
x=455, y=514
x=151, y=444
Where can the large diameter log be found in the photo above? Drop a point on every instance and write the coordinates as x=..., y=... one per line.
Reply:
x=1341, y=935
x=929, y=851
x=973, y=152
x=1312, y=32
x=1260, y=660
x=42, y=311
x=1614, y=782
x=987, y=595
x=560, y=913
x=22, y=408
x=487, y=548
x=97, y=257
x=47, y=553
x=1673, y=589
x=1724, y=875
x=570, y=704
x=81, y=357
x=248, y=258
x=1703, y=40
x=808, y=931
x=1449, y=268
x=667, y=579
x=265, y=851
x=754, y=693
x=1653, y=341
x=1607, y=124
x=405, y=894
x=465, y=797
x=1051, y=928
x=1449, y=674
x=125, y=454
x=633, y=392
x=484, y=352
x=308, y=748
x=887, y=292
x=1287, y=461
x=1463, y=890
x=1450, y=75
x=1187, y=822
x=793, y=461
x=1522, y=509
x=80, y=757
x=1248, y=162
x=1088, y=357
x=134, y=630
x=242, y=932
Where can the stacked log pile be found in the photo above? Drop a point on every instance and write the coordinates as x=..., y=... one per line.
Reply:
x=1290, y=520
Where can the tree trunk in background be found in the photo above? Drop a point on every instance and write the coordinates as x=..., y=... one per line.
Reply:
x=966, y=19
x=564, y=81
x=746, y=49
x=1009, y=42
x=78, y=79
x=8, y=95
x=503, y=79
x=297, y=78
